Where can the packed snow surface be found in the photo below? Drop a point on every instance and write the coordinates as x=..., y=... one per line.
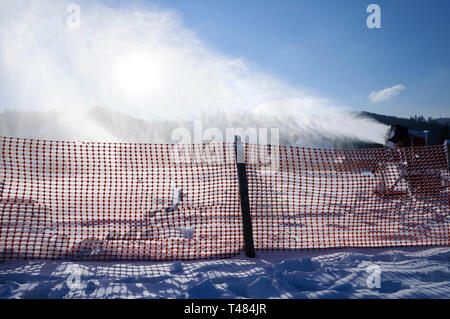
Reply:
x=344, y=273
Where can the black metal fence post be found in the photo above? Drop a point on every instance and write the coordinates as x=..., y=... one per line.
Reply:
x=243, y=191
x=447, y=147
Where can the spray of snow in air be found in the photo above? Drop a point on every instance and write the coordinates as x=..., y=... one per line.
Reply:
x=142, y=61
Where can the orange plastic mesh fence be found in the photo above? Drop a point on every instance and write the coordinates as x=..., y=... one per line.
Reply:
x=320, y=198
x=108, y=201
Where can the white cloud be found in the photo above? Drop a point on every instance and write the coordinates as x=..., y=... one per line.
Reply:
x=386, y=94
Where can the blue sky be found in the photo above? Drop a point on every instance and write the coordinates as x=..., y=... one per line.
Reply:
x=326, y=47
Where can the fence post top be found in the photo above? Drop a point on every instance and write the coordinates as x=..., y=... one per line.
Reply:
x=239, y=149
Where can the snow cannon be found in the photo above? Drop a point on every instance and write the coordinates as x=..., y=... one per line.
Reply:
x=404, y=174
x=402, y=136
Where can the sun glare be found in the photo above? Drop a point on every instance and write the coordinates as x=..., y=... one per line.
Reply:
x=136, y=75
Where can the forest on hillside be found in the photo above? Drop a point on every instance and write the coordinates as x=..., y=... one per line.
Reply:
x=439, y=127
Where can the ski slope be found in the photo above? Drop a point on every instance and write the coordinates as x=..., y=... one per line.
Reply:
x=290, y=211
x=94, y=210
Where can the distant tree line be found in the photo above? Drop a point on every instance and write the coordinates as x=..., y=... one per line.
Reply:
x=48, y=125
x=439, y=127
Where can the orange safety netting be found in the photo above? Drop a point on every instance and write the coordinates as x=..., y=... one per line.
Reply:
x=164, y=202
x=320, y=198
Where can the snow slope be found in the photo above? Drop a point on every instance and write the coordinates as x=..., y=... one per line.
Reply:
x=404, y=273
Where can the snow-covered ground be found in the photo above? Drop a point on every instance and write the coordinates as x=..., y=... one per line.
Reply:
x=420, y=272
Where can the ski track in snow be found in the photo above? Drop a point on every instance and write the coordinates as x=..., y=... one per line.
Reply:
x=419, y=272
